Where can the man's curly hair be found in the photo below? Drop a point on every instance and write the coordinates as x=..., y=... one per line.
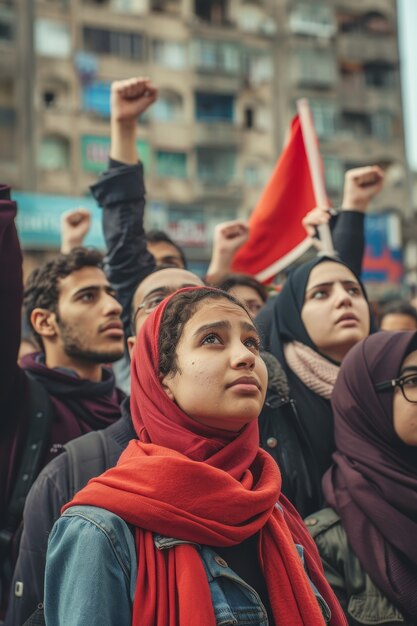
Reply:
x=42, y=287
x=177, y=313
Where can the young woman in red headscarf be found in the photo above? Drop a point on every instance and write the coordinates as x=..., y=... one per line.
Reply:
x=190, y=528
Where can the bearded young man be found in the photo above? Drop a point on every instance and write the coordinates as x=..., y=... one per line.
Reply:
x=63, y=391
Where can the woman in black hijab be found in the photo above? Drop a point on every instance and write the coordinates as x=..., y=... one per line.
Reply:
x=367, y=540
x=321, y=312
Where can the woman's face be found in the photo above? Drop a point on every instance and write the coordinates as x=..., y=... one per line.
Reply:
x=250, y=298
x=335, y=312
x=221, y=379
x=405, y=412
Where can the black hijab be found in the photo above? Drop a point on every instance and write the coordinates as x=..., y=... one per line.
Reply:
x=280, y=322
x=373, y=482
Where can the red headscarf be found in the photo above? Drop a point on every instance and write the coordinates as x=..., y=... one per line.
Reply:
x=208, y=487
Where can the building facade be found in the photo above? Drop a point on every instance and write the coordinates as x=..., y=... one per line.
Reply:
x=229, y=73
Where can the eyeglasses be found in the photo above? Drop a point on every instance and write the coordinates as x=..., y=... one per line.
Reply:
x=407, y=384
x=149, y=305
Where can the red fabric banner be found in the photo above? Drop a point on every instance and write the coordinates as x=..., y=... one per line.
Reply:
x=277, y=237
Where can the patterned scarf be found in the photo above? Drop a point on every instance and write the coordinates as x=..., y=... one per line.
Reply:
x=315, y=371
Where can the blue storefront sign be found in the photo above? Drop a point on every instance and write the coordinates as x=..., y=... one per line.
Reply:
x=383, y=261
x=39, y=216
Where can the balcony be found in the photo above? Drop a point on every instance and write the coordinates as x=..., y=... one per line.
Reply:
x=217, y=134
x=173, y=135
x=367, y=48
x=357, y=96
x=217, y=190
x=8, y=60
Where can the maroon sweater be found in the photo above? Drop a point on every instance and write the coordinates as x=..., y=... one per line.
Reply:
x=79, y=405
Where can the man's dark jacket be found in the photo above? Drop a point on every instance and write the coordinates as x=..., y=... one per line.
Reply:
x=77, y=406
x=51, y=490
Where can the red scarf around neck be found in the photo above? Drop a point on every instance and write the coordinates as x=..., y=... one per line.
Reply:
x=207, y=487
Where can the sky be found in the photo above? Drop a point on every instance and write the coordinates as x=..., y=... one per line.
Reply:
x=407, y=22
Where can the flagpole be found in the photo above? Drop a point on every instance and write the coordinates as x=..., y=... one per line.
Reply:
x=314, y=162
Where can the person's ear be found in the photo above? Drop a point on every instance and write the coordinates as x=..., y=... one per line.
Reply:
x=131, y=342
x=44, y=322
x=166, y=384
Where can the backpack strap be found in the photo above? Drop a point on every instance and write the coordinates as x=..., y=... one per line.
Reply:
x=88, y=456
x=39, y=428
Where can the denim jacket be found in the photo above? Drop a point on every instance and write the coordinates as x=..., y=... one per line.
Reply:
x=102, y=591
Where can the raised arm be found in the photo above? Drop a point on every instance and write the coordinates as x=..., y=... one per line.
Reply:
x=121, y=193
x=11, y=296
x=228, y=237
x=75, y=225
x=361, y=185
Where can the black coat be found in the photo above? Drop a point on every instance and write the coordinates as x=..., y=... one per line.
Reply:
x=52, y=489
x=303, y=425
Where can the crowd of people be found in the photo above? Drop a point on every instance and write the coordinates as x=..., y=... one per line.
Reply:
x=186, y=452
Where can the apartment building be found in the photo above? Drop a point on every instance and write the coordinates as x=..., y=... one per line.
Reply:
x=229, y=73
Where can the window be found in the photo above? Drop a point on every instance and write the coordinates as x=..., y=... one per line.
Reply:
x=325, y=117
x=118, y=43
x=214, y=107
x=381, y=125
x=166, y=6
x=373, y=23
x=7, y=116
x=167, y=108
x=52, y=38
x=171, y=164
x=259, y=67
x=213, y=11
x=7, y=133
x=54, y=153
x=7, y=17
x=217, y=55
x=316, y=67
x=216, y=167
x=229, y=57
x=252, y=175
x=138, y=7
x=169, y=54
x=334, y=173
x=53, y=93
x=378, y=24
x=207, y=54
x=96, y=99
x=251, y=18
x=358, y=124
x=248, y=117
x=380, y=75
x=6, y=30
x=312, y=19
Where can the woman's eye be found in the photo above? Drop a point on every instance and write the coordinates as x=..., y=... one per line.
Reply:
x=252, y=343
x=156, y=301
x=211, y=339
x=319, y=295
x=354, y=291
x=410, y=381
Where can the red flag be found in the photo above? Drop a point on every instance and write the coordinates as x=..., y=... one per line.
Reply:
x=277, y=236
